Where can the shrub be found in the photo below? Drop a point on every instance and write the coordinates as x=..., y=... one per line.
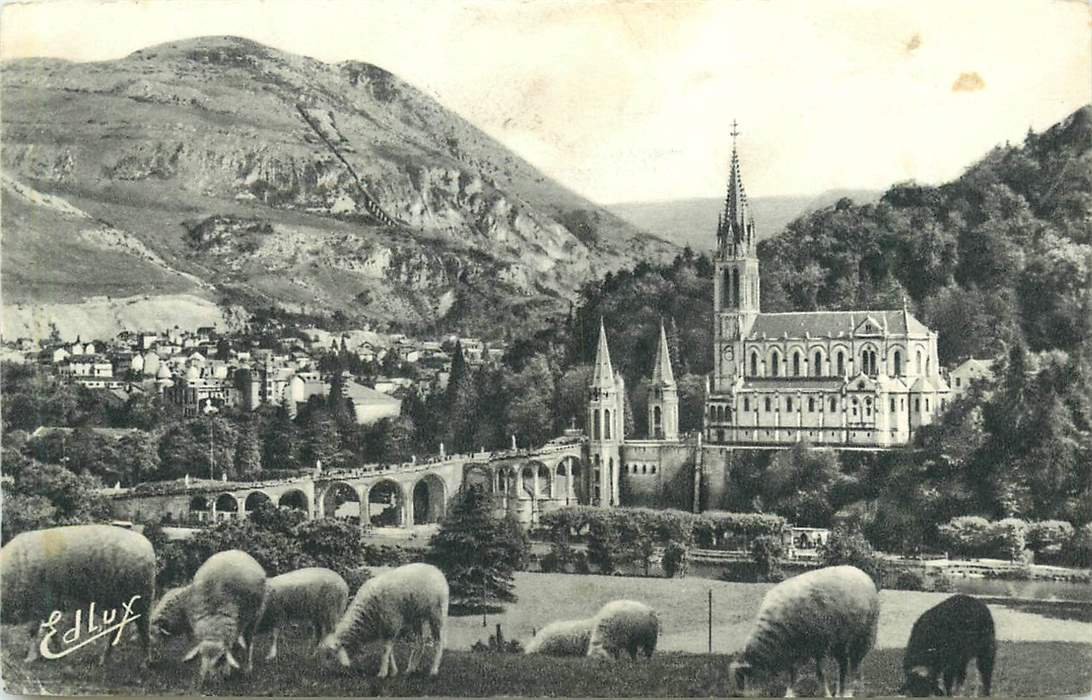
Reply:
x=909, y=580
x=1048, y=539
x=766, y=552
x=620, y=536
x=845, y=546
x=1008, y=539
x=550, y=562
x=967, y=535
x=1079, y=548
x=676, y=560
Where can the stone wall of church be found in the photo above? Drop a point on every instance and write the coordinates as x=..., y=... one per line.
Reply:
x=657, y=474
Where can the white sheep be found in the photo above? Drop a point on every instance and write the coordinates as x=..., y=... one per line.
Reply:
x=315, y=596
x=562, y=638
x=827, y=612
x=169, y=613
x=624, y=625
x=69, y=568
x=406, y=599
x=224, y=604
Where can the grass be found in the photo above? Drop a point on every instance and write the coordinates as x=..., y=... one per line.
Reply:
x=1046, y=649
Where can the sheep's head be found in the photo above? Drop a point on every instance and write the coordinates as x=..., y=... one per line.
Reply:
x=920, y=683
x=216, y=659
x=331, y=648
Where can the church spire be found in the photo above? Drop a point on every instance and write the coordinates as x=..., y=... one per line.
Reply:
x=735, y=226
x=603, y=375
x=661, y=371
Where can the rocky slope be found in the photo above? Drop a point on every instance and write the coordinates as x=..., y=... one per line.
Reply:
x=225, y=169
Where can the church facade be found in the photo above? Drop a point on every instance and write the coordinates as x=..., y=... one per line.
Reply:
x=847, y=379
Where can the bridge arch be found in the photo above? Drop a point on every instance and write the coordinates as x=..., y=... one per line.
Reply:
x=387, y=504
x=227, y=506
x=254, y=499
x=570, y=480
x=340, y=500
x=294, y=498
x=199, y=508
x=481, y=475
x=429, y=499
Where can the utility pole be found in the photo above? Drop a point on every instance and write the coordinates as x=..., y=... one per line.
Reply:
x=710, y=620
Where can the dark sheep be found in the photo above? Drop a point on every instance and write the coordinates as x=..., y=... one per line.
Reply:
x=943, y=641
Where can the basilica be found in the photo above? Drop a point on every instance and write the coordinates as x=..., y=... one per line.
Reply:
x=846, y=379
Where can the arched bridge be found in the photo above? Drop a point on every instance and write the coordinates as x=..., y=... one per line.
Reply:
x=525, y=483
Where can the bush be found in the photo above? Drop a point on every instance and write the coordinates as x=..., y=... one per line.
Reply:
x=849, y=547
x=1079, y=548
x=620, y=536
x=967, y=535
x=766, y=552
x=676, y=560
x=1048, y=539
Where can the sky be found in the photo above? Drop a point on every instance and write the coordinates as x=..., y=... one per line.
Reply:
x=634, y=101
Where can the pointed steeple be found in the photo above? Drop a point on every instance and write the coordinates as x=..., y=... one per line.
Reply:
x=603, y=375
x=735, y=226
x=661, y=371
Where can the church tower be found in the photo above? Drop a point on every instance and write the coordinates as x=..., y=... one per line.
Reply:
x=663, y=398
x=605, y=426
x=735, y=282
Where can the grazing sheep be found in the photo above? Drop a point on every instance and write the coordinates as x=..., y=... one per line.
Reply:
x=831, y=611
x=169, y=613
x=403, y=600
x=624, y=625
x=315, y=596
x=562, y=638
x=68, y=568
x=943, y=641
x=224, y=603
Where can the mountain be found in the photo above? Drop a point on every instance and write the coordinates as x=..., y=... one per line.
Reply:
x=224, y=172
x=693, y=221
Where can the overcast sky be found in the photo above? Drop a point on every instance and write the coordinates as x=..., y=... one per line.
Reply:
x=634, y=100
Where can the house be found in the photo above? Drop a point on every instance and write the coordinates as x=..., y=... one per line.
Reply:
x=369, y=405
x=968, y=372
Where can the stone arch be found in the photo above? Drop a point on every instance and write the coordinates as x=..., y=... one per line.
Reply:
x=294, y=498
x=796, y=363
x=569, y=484
x=896, y=362
x=254, y=499
x=429, y=500
x=817, y=362
x=227, y=504
x=774, y=363
x=754, y=363
x=480, y=475
x=840, y=355
x=340, y=500
x=199, y=508
x=527, y=481
x=387, y=504
x=545, y=482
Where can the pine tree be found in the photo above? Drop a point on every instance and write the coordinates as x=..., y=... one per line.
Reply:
x=460, y=405
x=280, y=442
x=477, y=552
x=248, y=454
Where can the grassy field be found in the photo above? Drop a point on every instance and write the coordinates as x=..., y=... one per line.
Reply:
x=1046, y=650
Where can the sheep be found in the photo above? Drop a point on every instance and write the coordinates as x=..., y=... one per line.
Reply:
x=75, y=566
x=832, y=611
x=943, y=641
x=314, y=595
x=562, y=638
x=169, y=613
x=405, y=599
x=623, y=625
x=225, y=602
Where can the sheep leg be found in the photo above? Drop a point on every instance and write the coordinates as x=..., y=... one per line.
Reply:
x=248, y=634
x=437, y=627
x=273, y=649
x=388, y=666
x=32, y=650
x=821, y=678
x=984, y=663
x=790, y=691
x=106, y=652
x=843, y=677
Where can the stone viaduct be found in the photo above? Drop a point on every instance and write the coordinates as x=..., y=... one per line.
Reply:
x=525, y=483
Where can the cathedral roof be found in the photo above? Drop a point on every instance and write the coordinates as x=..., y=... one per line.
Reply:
x=603, y=373
x=661, y=371
x=832, y=324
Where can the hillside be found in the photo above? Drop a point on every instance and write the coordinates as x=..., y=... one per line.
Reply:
x=220, y=168
x=693, y=222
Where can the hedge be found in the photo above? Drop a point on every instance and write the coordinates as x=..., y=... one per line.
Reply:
x=1051, y=541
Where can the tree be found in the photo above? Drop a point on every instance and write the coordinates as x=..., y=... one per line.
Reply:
x=849, y=547
x=279, y=443
x=477, y=552
x=248, y=453
x=138, y=457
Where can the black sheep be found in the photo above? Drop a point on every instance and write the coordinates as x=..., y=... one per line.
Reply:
x=943, y=641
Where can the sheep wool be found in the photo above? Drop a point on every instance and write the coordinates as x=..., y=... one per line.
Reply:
x=225, y=603
x=562, y=638
x=169, y=613
x=624, y=625
x=405, y=599
x=314, y=596
x=67, y=568
x=944, y=640
x=832, y=611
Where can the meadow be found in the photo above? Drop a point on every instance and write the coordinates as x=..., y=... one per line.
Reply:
x=1046, y=649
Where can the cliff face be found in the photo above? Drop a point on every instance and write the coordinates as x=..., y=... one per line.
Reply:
x=260, y=177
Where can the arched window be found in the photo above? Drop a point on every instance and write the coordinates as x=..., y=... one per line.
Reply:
x=788, y=403
x=775, y=364
x=735, y=288
x=767, y=402
x=606, y=424
x=754, y=364
x=833, y=404
x=656, y=415
x=811, y=405
x=746, y=404
x=796, y=364
x=917, y=365
x=726, y=293
x=595, y=425
x=817, y=364
x=898, y=363
x=841, y=363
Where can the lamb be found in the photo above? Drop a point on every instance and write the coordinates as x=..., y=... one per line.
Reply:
x=623, y=625
x=225, y=602
x=943, y=641
x=169, y=613
x=562, y=638
x=405, y=599
x=72, y=567
x=314, y=595
x=832, y=611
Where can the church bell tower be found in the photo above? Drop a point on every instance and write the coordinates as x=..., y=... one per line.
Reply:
x=605, y=427
x=735, y=281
